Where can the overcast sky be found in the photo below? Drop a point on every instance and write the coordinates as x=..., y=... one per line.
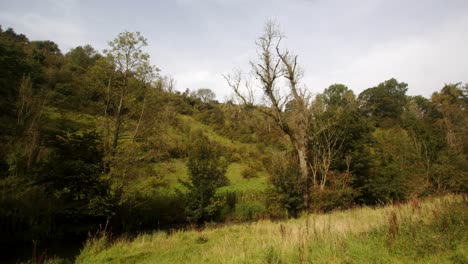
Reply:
x=359, y=43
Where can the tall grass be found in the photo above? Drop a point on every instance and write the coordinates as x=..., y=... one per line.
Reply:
x=399, y=233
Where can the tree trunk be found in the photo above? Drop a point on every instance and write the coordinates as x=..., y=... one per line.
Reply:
x=301, y=151
x=118, y=122
x=141, y=116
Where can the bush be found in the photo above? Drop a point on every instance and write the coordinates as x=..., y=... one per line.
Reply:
x=328, y=200
x=207, y=172
x=64, y=195
x=249, y=211
x=231, y=199
x=149, y=212
x=286, y=190
x=249, y=173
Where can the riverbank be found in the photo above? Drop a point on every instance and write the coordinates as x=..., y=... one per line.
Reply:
x=429, y=231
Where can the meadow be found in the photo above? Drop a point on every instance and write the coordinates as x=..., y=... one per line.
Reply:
x=421, y=231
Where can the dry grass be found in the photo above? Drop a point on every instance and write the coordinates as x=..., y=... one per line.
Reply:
x=267, y=241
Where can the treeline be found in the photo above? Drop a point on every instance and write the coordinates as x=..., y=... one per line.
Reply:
x=381, y=146
x=81, y=133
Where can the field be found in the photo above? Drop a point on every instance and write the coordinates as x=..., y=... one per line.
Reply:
x=427, y=231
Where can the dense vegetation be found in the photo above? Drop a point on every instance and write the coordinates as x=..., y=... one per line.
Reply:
x=90, y=139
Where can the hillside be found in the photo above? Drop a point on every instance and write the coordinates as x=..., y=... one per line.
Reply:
x=92, y=139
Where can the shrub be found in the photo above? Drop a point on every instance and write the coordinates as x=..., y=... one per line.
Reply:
x=149, y=212
x=249, y=211
x=231, y=199
x=207, y=172
x=249, y=173
x=286, y=190
x=328, y=200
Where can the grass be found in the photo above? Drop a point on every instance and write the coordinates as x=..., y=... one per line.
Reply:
x=430, y=231
x=174, y=170
x=239, y=184
x=210, y=133
x=57, y=119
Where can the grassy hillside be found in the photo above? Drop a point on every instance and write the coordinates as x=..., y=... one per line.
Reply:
x=162, y=176
x=173, y=170
x=429, y=231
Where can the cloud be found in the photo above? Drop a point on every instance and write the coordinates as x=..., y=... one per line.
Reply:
x=425, y=62
x=359, y=44
x=197, y=79
x=36, y=27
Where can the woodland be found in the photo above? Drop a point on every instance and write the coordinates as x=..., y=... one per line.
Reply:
x=101, y=140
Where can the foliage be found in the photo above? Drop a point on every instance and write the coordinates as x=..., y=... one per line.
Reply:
x=151, y=211
x=249, y=173
x=286, y=192
x=126, y=85
x=451, y=103
x=249, y=211
x=72, y=173
x=331, y=199
x=63, y=195
x=385, y=102
x=88, y=137
x=207, y=172
x=204, y=94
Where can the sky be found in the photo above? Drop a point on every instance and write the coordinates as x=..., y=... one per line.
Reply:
x=359, y=43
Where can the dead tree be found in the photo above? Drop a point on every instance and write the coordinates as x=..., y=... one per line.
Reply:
x=278, y=75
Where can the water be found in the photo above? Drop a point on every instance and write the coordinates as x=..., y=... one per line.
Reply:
x=21, y=252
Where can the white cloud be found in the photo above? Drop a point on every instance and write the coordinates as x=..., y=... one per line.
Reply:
x=359, y=44
x=67, y=34
x=425, y=62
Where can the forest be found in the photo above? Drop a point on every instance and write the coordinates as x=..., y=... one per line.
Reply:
x=101, y=140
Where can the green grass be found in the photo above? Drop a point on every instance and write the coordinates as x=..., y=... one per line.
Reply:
x=209, y=132
x=247, y=154
x=57, y=119
x=431, y=231
x=239, y=184
x=173, y=171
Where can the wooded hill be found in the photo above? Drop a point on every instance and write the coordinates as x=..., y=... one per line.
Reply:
x=89, y=138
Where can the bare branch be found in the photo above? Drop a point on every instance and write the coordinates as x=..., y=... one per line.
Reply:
x=234, y=81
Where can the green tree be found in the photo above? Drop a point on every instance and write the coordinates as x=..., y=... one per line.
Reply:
x=81, y=58
x=452, y=104
x=428, y=140
x=286, y=191
x=127, y=85
x=76, y=91
x=339, y=96
x=23, y=95
x=385, y=102
x=72, y=174
x=13, y=65
x=204, y=94
x=393, y=175
x=450, y=119
x=332, y=113
x=207, y=171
